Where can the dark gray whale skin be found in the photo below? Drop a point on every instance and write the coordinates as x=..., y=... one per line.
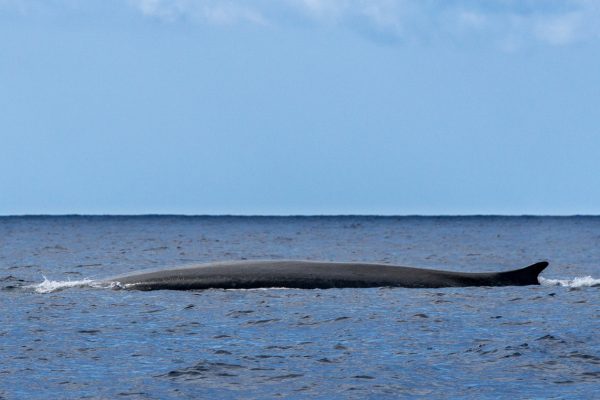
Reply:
x=318, y=275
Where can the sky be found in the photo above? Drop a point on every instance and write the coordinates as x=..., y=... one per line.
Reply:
x=265, y=107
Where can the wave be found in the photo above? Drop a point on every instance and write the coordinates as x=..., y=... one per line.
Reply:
x=49, y=286
x=582, y=281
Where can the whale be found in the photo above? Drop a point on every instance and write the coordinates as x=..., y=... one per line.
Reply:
x=299, y=274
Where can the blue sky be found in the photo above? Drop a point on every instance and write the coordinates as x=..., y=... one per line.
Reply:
x=299, y=107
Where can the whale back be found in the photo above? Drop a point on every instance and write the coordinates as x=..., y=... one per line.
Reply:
x=318, y=275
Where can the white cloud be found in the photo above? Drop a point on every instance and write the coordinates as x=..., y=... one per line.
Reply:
x=321, y=9
x=559, y=30
x=471, y=19
x=21, y=7
x=509, y=24
x=211, y=11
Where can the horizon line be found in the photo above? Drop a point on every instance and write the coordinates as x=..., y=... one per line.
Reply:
x=142, y=215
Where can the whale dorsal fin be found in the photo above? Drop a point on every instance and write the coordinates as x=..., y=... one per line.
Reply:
x=527, y=275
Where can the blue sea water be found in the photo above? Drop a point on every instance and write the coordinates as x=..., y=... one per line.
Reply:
x=61, y=337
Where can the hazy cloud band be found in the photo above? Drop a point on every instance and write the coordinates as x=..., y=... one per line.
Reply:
x=509, y=24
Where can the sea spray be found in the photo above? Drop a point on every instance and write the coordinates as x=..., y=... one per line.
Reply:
x=50, y=286
x=577, y=282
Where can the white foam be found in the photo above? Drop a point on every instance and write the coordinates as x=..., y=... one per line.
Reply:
x=581, y=281
x=258, y=289
x=49, y=286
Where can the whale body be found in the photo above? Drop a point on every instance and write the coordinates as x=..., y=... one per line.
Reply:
x=318, y=275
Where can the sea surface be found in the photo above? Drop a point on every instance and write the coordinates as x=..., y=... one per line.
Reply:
x=63, y=337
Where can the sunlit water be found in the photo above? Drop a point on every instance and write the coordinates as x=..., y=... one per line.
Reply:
x=64, y=335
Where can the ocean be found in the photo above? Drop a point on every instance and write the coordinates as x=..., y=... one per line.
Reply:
x=64, y=337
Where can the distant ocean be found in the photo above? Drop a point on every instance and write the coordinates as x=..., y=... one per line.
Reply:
x=61, y=337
